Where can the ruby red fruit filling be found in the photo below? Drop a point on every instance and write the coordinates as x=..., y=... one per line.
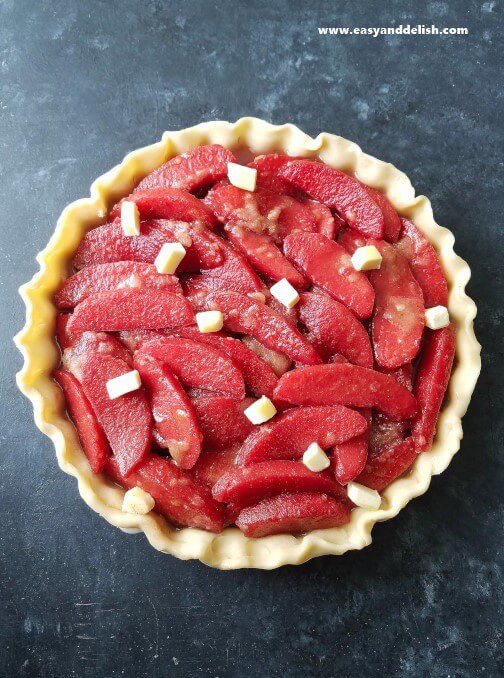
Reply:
x=349, y=366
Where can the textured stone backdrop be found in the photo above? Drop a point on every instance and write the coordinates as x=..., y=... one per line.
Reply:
x=83, y=82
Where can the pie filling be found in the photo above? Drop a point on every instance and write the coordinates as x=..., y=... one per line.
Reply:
x=266, y=345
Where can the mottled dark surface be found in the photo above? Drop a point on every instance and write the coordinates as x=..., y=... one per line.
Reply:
x=81, y=84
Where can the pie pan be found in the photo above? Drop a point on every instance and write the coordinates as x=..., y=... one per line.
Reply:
x=231, y=549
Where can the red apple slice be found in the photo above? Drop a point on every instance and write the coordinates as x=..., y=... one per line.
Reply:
x=278, y=362
x=399, y=314
x=108, y=243
x=431, y=382
x=222, y=421
x=424, y=262
x=245, y=486
x=335, y=328
x=104, y=277
x=349, y=385
x=258, y=375
x=338, y=191
x=328, y=266
x=292, y=514
x=91, y=435
x=213, y=464
x=289, y=434
x=198, y=365
x=131, y=309
x=178, y=496
x=391, y=463
x=62, y=336
x=190, y=171
x=349, y=458
x=391, y=221
x=247, y=316
x=267, y=167
x=168, y=203
x=264, y=255
x=176, y=424
x=127, y=420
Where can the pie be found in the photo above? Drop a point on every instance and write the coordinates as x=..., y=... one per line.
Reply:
x=261, y=354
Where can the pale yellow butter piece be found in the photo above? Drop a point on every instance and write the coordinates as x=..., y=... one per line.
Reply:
x=285, y=293
x=209, y=321
x=363, y=496
x=366, y=258
x=125, y=383
x=260, y=411
x=130, y=218
x=242, y=177
x=437, y=317
x=169, y=257
x=137, y=501
x=315, y=458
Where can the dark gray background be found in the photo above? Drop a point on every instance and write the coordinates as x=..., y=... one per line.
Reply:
x=82, y=83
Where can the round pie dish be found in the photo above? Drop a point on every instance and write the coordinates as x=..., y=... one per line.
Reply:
x=231, y=549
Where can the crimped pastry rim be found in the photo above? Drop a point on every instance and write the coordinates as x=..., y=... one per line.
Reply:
x=231, y=549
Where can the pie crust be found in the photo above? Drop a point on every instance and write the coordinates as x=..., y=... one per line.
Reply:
x=231, y=549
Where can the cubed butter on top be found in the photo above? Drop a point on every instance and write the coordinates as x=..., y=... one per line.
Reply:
x=209, y=321
x=366, y=258
x=125, y=383
x=260, y=411
x=285, y=293
x=137, y=501
x=363, y=496
x=169, y=257
x=437, y=317
x=315, y=458
x=130, y=218
x=242, y=177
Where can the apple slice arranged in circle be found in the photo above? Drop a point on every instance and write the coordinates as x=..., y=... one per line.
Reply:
x=131, y=309
x=178, y=495
x=338, y=191
x=245, y=486
x=190, y=171
x=292, y=514
x=289, y=434
x=197, y=365
x=175, y=421
x=346, y=385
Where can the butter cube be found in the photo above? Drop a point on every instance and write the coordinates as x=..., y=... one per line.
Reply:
x=366, y=258
x=169, y=257
x=242, y=177
x=363, y=496
x=285, y=293
x=209, y=321
x=260, y=411
x=130, y=218
x=137, y=501
x=315, y=458
x=125, y=383
x=437, y=317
